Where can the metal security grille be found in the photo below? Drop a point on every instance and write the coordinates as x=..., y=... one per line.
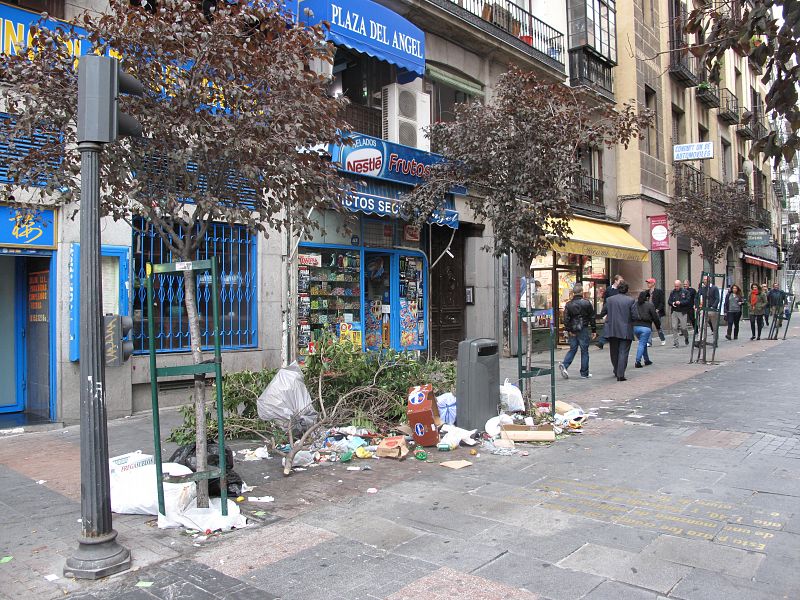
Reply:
x=657, y=262
x=234, y=247
x=23, y=146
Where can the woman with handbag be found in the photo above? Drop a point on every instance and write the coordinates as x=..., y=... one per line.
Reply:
x=758, y=304
x=733, y=311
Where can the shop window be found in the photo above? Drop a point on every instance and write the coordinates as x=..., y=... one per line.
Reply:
x=378, y=233
x=235, y=249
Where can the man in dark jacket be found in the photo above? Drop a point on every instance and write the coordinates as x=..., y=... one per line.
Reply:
x=692, y=295
x=619, y=329
x=709, y=300
x=776, y=300
x=657, y=298
x=680, y=302
x=579, y=320
x=610, y=291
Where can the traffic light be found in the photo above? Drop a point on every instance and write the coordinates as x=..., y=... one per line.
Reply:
x=118, y=349
x=100, y=82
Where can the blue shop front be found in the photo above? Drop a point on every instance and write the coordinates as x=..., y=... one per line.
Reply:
x=363, y=276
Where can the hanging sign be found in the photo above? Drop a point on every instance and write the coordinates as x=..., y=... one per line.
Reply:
x=757, y=237
x=659, y=233
x=27, y=229
x=698, y=151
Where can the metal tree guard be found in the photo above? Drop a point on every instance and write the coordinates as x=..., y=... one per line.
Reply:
x=524, y=373
x=702, y=324
x=198, y=371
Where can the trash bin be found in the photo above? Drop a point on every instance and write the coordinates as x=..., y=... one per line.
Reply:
x=478, y=382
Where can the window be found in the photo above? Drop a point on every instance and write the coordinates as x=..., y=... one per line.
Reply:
x=651, y=135
x=657, y=264
x=234, y=248
x=55, y=8
x=647, y=12
x=23, y=146
x=725, y=161
x=678, y=126
x=594, y=23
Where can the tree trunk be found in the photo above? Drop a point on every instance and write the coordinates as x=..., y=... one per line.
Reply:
x=201, y=435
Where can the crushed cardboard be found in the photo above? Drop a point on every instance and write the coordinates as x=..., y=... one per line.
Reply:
x=456, y=464
x=393, y=447
x=526, y=433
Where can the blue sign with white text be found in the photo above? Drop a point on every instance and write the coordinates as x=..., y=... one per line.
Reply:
x=370, y=28
x=27, y=229
x=15, y=25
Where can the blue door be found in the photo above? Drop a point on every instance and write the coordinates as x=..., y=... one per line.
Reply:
x=11, y=388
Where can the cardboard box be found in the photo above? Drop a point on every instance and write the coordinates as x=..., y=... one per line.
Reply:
x=423, y=415
x=525, y=433
x=393, y=447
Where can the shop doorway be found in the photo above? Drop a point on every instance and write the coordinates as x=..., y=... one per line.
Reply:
x=26, y=370
x=448, y=303
x=377, y=300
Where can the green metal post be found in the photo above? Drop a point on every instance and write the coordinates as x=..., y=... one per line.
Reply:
x=151, y=338
x=552, y=367
x=223, y=479
x=519, y=350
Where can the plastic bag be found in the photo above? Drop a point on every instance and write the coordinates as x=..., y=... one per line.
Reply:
x=287, y=401
x=511, y=397
x=187, y=455
x=132, y=479
x=447, y=408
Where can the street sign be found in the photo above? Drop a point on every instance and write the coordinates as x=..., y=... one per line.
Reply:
x=698, y=151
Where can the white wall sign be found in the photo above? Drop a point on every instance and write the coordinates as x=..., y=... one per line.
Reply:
x=698, y=151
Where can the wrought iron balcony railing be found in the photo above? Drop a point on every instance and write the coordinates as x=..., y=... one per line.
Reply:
x=728, y=107
x=591, y=199
x=708, y=93
x=520, y=23
x=587, y=69
x=683, y=66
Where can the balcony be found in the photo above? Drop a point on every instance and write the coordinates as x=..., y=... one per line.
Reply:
x=547, y=42
x=689, y=181
x=364, y=119
x=707, y=93
x=745, y=129
x=761, y=217
x=586, y=69
x=759, y=128
x=683, y=66
x=591, y=201
x=728, y=107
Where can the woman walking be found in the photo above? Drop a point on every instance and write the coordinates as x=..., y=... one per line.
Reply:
x=733, y=311
x=758, y=304
x=644, y=315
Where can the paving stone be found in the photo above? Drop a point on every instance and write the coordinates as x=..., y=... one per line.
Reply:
x=707, y=585
x=637, y=569
x=706, y=555
x=447, y=584
x=613, y=590
x=549, y=548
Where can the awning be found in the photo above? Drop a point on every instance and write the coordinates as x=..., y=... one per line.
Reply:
x=370, y=28
x=607, y=240
x=458, y=82
x=760, y=262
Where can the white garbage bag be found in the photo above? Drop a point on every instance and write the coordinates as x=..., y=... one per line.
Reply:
x=511, y=397
x=286, y=399
x=447, y=405
x=134, y=490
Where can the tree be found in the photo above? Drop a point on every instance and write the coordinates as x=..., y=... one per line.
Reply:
x=233, y=120
x=768, y=33
x=712, y=216
x=520, y=159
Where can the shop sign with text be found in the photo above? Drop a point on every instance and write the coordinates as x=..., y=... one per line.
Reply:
x=659, y=233
x=36, y=229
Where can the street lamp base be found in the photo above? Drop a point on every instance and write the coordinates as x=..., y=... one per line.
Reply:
x=97, y=558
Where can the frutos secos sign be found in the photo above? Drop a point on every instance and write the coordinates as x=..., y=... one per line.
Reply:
x=384, y=160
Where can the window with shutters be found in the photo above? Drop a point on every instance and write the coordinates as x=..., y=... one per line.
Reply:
x=651, y=133
x=23, y=146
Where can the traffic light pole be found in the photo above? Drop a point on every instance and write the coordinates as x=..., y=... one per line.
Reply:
x=98, y=554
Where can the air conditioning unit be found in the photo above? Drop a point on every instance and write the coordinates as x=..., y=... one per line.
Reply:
x=406, y=115
x=321, y=67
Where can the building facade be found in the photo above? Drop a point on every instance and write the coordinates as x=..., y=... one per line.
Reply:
x=660, y=72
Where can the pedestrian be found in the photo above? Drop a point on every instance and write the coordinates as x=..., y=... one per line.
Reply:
x=581, y=327
x=733, y=311
x=645, y=316
x=656, y=296
x=610, y=292
x=758, y=304
x=680, y=301
x=619, y=329
x=708, y=299
x=776, y=300
x=692, y=296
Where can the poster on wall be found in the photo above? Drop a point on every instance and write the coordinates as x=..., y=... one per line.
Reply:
x=659, y=233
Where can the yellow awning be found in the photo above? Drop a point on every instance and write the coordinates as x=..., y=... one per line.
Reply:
x=602, y=239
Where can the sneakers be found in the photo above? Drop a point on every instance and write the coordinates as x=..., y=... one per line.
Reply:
x=589, y=376
x=727, y=337
x=663, y=342
x=687, y=341
x=647, y=363
x=563, y=370
x=638, y=365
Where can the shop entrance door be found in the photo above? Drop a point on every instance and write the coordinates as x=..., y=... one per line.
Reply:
x=37, y=337
x=447, y=299
x=377, y=300
x=12, y=397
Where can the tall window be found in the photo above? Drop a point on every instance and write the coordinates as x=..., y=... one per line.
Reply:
x=593, y=23
x=651, y=135
x=657, y=264
x=234, y=247
x=725, y=163
x=678, y=126
x=647, y=12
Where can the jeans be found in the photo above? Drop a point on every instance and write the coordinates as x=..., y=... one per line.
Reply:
x=679, y=327
x=733, y=323
x=756, y=319
x=713, y=321
x=619, y=349
x=643, y=333
x=579, y=340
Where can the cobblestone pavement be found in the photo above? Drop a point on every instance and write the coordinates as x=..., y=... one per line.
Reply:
x=685, y=484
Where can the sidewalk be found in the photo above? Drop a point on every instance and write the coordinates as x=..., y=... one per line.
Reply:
x=685, y=487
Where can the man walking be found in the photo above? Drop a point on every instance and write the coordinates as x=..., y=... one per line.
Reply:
x=610, y=292
x=680, y=304
x=657, y=298
x=619, y=329
x=692, y=297
x=709, y=296
x=776, y=300
x=579, y=320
